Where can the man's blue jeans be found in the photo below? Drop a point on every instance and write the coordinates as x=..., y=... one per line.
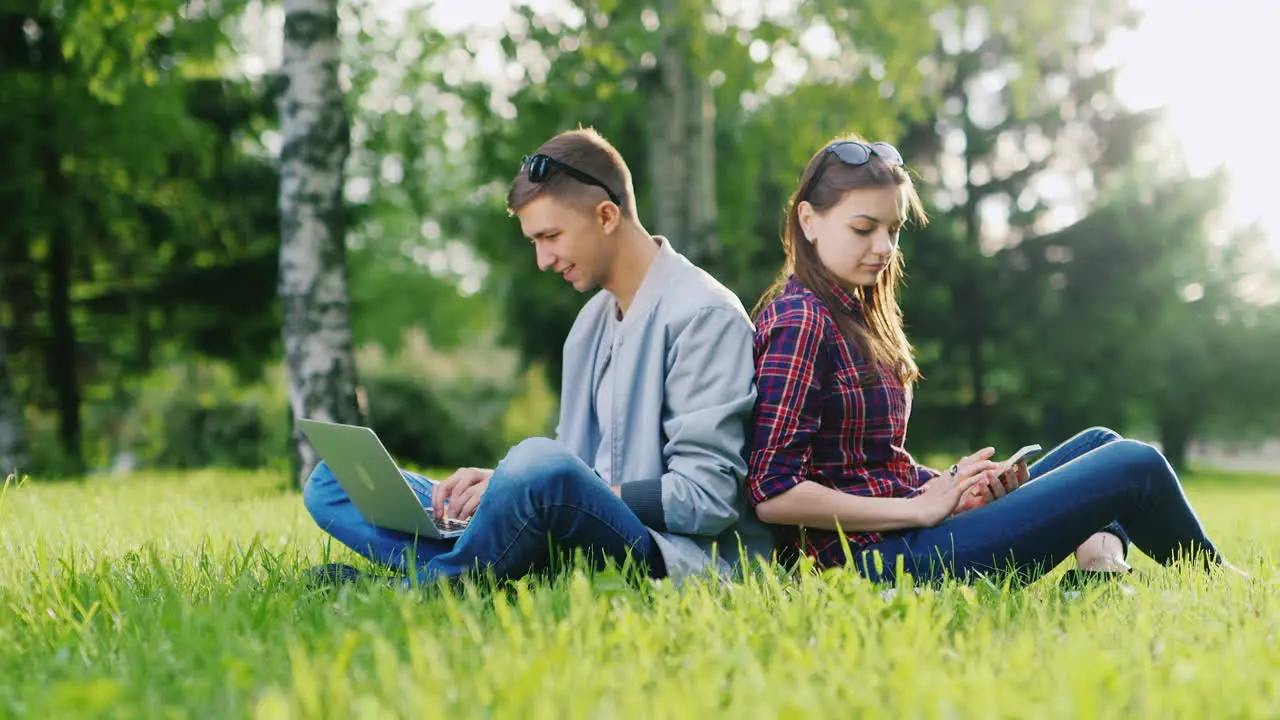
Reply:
x=1096, y=481
x=542, y=501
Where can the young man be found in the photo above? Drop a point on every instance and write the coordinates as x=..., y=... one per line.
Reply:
x=657, y=391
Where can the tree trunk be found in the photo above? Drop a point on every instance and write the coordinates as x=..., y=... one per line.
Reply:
x=682, y=144
x=975, y=310
x=1175, y=441
x=313, y=282
x=668, y=132
x=13, y=445
x=702, y=242
x=62, y=347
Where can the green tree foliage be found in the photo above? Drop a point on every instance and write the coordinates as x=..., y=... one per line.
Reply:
x=1073, y=273
x=1147, y=319
x=1023, y=127
x=603, y=64
x=134, y=209
x=1006, y=111
x=409, y=187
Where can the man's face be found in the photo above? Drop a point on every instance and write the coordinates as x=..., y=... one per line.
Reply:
x=569, y=240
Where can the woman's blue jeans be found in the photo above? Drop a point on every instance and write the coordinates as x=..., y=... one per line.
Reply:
x=1096, y=481
x=542, y=502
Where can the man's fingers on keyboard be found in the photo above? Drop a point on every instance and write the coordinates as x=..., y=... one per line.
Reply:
x=453, y=488
x=465, y=504
x=474, y=501
x=440, y=496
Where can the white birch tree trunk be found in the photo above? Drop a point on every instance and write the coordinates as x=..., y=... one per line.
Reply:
x=702, y=239
x=313, y=282
x=682, y=139
x=668, y=138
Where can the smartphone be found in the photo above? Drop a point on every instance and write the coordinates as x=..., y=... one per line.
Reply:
x=1023, y=452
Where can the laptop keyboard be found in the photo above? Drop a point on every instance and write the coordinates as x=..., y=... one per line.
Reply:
x=453, y=524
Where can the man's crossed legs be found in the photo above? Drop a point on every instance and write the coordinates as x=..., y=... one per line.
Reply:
x=541, y=503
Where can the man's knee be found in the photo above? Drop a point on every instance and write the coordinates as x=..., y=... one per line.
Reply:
x=536, y=456
x=538, y=464
x=321, y=490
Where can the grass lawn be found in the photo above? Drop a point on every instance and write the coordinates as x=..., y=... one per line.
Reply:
x=178, y=596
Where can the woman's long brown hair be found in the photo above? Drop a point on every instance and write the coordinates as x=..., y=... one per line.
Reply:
x=877, y=334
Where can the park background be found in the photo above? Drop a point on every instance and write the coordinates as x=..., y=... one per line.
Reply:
x=1099, y=175
x=1101, y=178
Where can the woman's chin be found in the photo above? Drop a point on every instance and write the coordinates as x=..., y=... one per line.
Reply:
x=860, y=278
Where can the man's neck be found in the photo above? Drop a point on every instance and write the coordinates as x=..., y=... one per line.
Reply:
x=636, y=251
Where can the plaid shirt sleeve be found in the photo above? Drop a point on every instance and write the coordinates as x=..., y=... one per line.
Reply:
x=790, y=363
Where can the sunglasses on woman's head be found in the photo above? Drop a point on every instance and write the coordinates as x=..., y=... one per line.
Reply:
x=538, y=167
x=852, y=152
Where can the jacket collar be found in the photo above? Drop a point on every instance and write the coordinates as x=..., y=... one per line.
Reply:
x=655, y=281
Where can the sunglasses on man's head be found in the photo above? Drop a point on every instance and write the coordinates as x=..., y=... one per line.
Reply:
x=538, y=167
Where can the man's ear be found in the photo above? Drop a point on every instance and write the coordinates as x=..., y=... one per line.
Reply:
x=608, y=216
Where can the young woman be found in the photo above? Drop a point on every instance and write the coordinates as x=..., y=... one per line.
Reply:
x=834, y=371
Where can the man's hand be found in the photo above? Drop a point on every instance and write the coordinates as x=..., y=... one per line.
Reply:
x=459, y=495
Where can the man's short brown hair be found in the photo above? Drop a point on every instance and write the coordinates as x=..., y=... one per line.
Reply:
x=587, y=151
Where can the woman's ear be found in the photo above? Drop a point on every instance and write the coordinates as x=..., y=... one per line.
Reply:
x=805, y=213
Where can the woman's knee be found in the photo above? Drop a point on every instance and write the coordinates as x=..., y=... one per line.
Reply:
x=1138, y=455
x=1100, y=435
x=1123, y=462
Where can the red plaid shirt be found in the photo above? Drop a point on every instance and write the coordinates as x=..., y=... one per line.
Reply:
x=814, y=422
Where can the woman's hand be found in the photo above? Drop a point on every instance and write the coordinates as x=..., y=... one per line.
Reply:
x=1009, y=479
x=952, y=491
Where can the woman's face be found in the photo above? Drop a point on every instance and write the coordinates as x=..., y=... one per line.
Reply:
x=857, y=237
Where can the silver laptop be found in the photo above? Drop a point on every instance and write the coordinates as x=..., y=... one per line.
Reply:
x=372, y=480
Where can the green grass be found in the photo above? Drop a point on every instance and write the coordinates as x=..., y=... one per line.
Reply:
x=178, y=596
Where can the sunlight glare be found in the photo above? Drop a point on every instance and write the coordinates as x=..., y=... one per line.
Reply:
x=1211, y=65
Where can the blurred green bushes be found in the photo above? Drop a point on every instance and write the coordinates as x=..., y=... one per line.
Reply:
x=431, y=408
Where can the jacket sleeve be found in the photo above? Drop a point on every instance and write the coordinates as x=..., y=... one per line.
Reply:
x=710, y=393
